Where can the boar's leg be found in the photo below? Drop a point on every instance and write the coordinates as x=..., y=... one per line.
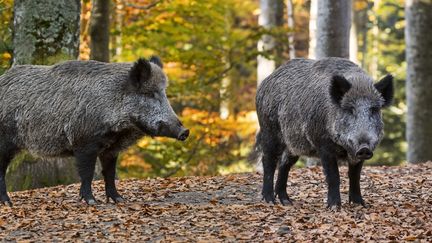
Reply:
x=109, y=161
x=354, y=172
x=271, y=152
x=86, y=161
x=269, y=166
x=331, y=171
x=285, y=165
x=6, y=155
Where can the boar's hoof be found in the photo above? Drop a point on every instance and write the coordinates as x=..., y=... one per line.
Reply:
x=334, y=207
x=5, y=200
x=285, y=202
x=269, y=198
x=336, y=203
x=91, y=202
x=114, y=195
x=7, y=203
x=284, y=199
x=117, y=199
x=355, y=199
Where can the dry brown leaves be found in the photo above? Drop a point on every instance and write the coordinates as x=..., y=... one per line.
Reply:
x=228, y=209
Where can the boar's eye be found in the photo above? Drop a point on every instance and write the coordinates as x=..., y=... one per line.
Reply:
x=151, y=95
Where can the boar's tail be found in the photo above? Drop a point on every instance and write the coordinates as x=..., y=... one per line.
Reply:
x=255, y=155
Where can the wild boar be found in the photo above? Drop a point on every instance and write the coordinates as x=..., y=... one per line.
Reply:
x=329, y=109
x=84, y=109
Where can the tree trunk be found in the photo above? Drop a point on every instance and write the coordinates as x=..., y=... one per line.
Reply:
x=333, y=28
x=271, y=16
x=117, y=17
x=313, y=28
x=45, y=32
x=353, y=41
x=332, y=33
x=290, y=22
x=418, y=37
x=99, y=30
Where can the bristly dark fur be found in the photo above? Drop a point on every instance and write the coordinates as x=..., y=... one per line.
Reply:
x=326, y=108
x=85, y=109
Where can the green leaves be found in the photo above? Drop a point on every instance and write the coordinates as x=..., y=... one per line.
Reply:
x=202, y=43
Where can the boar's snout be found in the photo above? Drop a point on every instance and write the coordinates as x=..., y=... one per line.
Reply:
x=183, y=134
x=364, y=153
x=172, y=130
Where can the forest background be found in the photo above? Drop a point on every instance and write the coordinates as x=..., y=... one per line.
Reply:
x=210, y=53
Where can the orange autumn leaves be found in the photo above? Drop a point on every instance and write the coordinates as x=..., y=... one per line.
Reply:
x=229, y=208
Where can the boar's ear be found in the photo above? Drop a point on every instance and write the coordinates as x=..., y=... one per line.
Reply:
x=385, y=87
x=140, y=72
x=156, y=60
x=338, y=87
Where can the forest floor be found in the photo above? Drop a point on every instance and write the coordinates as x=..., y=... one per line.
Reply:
x=228, y=208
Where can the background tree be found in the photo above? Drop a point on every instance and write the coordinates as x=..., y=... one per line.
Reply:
x=418, y=37
x=313, y=13
x=333, y=28
x=99, y=30
x=45, y=32
x=271, y=16
x=291, y=26
x=204, y=43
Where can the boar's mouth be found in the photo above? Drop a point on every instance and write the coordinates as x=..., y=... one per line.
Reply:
x=180, y=133
x=177, y=132
x=143, y=128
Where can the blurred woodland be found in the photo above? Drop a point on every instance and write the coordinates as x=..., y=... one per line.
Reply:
x=209, y=50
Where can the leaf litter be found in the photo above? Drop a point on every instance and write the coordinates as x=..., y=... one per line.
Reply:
x=228, y=208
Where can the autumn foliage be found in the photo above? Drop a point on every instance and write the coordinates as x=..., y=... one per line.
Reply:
x=209, y=49
x=229, y=208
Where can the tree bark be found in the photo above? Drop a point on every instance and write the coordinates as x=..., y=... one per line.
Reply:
x=353, y=41
x=117, y=17
x=313, y=28
x=271, y=16
x=418, y=37
x=290, y=22
x=45, y=32
x=333, y=28
x=99, y=30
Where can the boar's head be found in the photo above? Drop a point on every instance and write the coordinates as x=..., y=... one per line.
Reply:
x=358, y=125
x=147, y=102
